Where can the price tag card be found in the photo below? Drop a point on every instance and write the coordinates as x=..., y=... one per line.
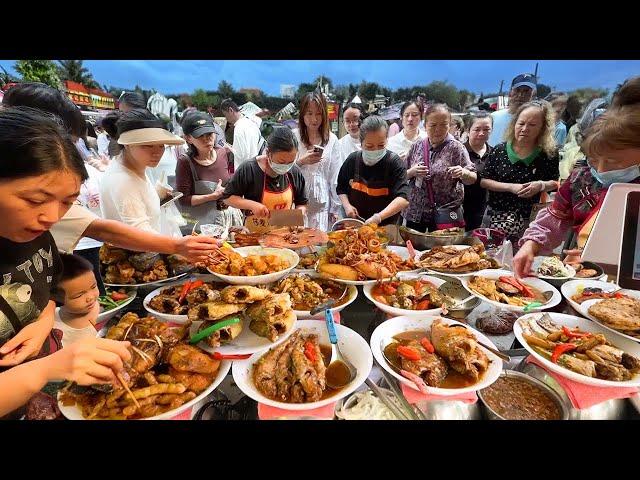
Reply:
x=257, y=224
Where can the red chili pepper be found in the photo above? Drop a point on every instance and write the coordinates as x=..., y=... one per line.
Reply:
x=184, y=291
x=310, y=351
x=422, y=305
x=196, y=284
x=220, y=356
x=619, y=295
x=388, y=289
x=428, y=346
x=408, y=353
x=572, y=334
x=560, y=349
x=118, y=296
x=526, y=291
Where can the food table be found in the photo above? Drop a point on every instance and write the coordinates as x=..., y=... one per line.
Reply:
x=362, y=317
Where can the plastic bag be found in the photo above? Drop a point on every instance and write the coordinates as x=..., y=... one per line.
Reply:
x=171, y=220
x=503, y=254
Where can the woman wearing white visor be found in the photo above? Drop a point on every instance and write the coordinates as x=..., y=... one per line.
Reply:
x=126, y=193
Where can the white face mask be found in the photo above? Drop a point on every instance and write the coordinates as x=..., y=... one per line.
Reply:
x=280, y=168
x=371, y=157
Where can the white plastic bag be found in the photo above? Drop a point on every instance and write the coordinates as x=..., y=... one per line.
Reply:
x=503, y=254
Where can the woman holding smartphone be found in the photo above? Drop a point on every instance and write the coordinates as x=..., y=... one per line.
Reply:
x=319, y=161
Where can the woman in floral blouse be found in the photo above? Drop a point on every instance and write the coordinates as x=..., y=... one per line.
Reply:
x=436, y=179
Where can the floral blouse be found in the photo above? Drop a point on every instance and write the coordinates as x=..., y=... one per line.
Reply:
x=446, y=190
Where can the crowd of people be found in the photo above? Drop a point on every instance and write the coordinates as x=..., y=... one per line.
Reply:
x=69, y=186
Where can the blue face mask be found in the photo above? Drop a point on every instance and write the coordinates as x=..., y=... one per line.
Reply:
x=371, y=157
x=625, y=175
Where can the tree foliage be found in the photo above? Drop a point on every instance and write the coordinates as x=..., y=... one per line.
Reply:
x=74, y=70
x=44, y=71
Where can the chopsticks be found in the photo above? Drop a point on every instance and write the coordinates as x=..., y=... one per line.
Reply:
x=120, y=378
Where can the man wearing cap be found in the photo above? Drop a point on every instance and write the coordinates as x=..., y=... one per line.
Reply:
x=523, y=89
x=203, y=171
x=247, y=139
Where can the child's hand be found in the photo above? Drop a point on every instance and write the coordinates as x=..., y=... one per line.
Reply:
x=26, y=344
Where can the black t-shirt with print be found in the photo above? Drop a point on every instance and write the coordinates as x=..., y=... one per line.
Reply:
x=499, y=168
x=249, y=180
x=475, y=197
x=30, y=274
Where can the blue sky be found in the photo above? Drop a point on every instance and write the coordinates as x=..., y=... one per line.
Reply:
x=177, y=76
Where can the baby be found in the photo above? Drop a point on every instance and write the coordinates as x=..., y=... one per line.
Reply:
x=76, y=318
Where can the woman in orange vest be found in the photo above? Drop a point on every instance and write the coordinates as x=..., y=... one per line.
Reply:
x=372, y=183
x=270, y=181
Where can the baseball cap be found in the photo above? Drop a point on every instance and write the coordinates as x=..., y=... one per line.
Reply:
x=524, y=80
x=198, y=124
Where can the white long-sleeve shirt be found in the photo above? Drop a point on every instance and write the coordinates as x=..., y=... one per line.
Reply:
x=347, y=145
x=129, y=198
x=401, y=145
x=247, y=141
x=321, y=181
x=103, y=144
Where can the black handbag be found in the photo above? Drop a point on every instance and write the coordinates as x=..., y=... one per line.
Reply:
x=446, y=216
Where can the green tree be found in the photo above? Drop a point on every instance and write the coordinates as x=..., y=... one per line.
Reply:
x=324, y=80
x=304, y=88
x=585, y=95
x=6, y=77
x=442, y=92
x=44, y=71
x=74, y=70
x=369, y=90
x=225, y=89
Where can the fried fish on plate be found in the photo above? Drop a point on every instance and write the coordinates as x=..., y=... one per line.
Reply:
x=274, y=326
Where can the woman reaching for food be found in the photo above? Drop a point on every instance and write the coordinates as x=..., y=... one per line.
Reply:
x=372, y=183
x=40, y=175
x=271, y=181
x=612, y=147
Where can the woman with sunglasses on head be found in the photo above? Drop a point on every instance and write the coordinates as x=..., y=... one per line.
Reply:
x=519, y=170
x=612, y=147
x=40, y=176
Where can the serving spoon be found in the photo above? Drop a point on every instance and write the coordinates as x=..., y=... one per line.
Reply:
x=339, y=366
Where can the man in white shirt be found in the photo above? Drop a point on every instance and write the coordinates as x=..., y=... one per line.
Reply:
x=523, y=89
x=247, y=140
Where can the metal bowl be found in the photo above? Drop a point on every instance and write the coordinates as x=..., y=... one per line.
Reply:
x=426, y=241
x=464, y=310
x=562, y=405
x=616, y=409
x=345, y=223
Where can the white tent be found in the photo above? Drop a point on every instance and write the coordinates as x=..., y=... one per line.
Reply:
x=356, y=99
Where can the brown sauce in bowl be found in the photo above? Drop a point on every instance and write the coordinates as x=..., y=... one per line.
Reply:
x=515, y=399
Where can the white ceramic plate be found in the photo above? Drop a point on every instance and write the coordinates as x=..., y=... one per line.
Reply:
x=244, y=344
x=537, y=261
x=109, y=314
x=455, y=275
x=75, y=413
x=401, y=311
x=352, y=345
x=289, y=255
x=167, y=317
x=571, y=321
x=584, y=310
x=385, y=332
x=570, y=288
x=531, y=281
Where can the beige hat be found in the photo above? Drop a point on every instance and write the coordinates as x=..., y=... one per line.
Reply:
x=149, y=136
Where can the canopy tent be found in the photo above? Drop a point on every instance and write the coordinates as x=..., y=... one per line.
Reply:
x=391, y=112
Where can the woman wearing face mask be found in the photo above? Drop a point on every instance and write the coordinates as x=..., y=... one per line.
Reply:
x=270, y=181
x=518, y=171
x=372, y=183
x=126, y=192
x=612, y=147
x=438, y=167
x=411, y=114
x=350, y=143
x=319, y=166
x=40, y=176
x=475, y=197
x=202, y=173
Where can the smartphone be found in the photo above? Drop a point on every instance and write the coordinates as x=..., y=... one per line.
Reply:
x=318, y=149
